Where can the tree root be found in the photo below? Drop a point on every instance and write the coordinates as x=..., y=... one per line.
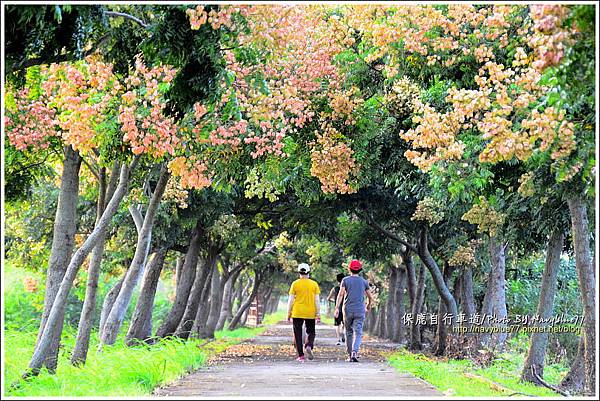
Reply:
x=546, y=384
x=496, y=386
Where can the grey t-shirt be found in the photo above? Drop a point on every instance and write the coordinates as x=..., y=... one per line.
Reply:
x=354, y=299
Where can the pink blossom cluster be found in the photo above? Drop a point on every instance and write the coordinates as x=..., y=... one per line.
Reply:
x=550, y=38
x=30, y=124
x=142, y=112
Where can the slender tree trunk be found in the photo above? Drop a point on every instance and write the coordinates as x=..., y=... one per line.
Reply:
x=216, y=299
x=109, y=301
x=587, y=287
x=178, y=268
x=191, y=309
x=56, y=316
x=89, y=304
x=415, y=343
x=539, y=341
x=140, y=328
x=442, y=328
x=238, y=297
x=392, y=322
x=411, y=276
x=227, y=299
x=204, y=304
x=117, y=314
x=399, y=333
x=437, y=276
x=63, y=239
x=236, y=319
x=184, y=285
x=494, y=302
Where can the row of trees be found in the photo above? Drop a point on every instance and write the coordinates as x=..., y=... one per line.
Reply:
x=433, y=142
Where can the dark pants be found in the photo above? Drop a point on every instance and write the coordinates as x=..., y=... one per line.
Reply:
x=310, y=330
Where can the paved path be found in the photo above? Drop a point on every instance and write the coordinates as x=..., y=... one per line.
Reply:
x=265, y=367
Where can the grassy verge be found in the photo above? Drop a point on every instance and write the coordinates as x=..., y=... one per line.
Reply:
x=118, y=370
x=463, y=378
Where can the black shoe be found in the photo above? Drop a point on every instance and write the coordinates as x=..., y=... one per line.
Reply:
x=353, y=358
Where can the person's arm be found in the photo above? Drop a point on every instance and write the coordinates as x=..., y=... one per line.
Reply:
x=290, y=306
x=371, y=299
x=318, y=306
x=339, y=301
x=330, y=297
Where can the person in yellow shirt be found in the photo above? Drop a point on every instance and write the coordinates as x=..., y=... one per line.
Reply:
x=304, y=310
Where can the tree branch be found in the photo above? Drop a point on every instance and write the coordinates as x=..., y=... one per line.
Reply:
x=126, y=16
x=389, y=234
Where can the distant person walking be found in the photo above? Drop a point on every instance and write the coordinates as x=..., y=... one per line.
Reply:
x=352, y=293
x=338, y=321
x=303, y=310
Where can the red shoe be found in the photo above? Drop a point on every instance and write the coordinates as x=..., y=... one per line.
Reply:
x=300, y=359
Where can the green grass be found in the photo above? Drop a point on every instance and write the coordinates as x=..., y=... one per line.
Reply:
x=118, y=370
x=448, y=376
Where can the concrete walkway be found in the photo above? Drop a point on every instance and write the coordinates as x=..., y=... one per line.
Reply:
x=265, y=367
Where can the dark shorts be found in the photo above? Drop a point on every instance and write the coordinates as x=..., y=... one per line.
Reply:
x=340, y=319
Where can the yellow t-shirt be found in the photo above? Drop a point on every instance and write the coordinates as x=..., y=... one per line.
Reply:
x=304, y=290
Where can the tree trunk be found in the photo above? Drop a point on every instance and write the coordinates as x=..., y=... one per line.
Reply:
x=539, y=341
x=415, y=343
x=63, y=239
x=466, y=294
x=227, y=299
x=238, y=297
x=494, y=302
x=117, y=314
x=236, y=319
x=574, y=381
x=437, y=276
x=392, y=322
x=184, y=285
x=204, y=304
x=442, y=328
x=56, y=317
x=587, y=287
x=411, y=276
x=178, y=268
x=216, y=299
x=191, y=308
x=399, y=333
x=89, y=304
x=109, y=301
x=140, y=328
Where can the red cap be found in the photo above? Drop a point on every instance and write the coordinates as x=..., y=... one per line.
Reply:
x=355, y=265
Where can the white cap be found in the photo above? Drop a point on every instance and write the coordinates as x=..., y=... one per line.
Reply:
x=303, y=268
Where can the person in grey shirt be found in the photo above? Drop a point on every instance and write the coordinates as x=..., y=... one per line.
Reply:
x=352, y=293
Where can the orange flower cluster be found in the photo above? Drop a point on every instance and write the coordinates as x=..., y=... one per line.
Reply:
x=199, y=16
x=142, y=112
x=80, y=93
x=31, y=284
x=192, y=172
x=332, y=161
